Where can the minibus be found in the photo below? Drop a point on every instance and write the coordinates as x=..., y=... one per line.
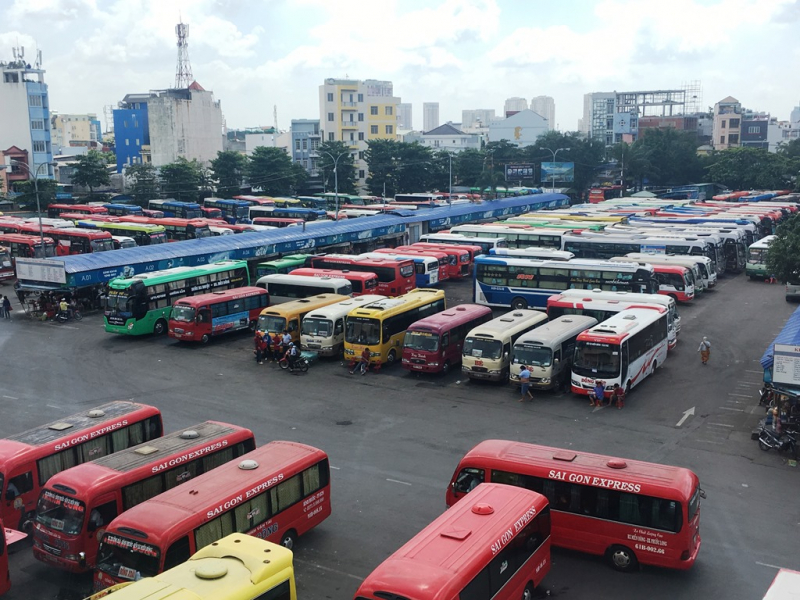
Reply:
x=199, y=318
x=322, y=330
x=288, y=315
x=285, y=288
x=705, y=277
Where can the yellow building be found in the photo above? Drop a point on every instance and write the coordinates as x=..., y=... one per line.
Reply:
x=74, y=130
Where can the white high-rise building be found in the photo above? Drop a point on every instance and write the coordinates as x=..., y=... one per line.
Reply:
x=430, y=116
x=514, y=105
x=476, y=117
x=546, y=107
x=405, y=116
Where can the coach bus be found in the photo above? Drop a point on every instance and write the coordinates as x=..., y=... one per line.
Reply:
x=122, y=210
x=27, y=246
x=434, y=344
x=427, y=269
x=288, y=316
x=516, y=237
x=521, y=283
x=143, y=303
x=395, y=277
x=455, y=261
x=467, y=253
x=177, y=229
x=29, y=459
x=6, y=266
x=285, y=288
x=756, y=267
x=322, y=330
x=361, y=282
x=25, y=227
x=450, y=239
x=495, y=544
x=177, y=209
x=705, y=277
x=277, y=492
x=78, y=502
x=278, y=222
x=381, y=326
x=233, y=211
x=674, y=280
x=624, y=349
x=143, y=235
x=199, y=318
x=55, y=210
x=298, y=212
x=628, y=511
x=284, y=265
x=533, y=252
x=74, y=240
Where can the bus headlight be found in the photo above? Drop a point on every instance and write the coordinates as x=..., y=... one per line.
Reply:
x=189, y=333
x=405, y=360
x=433, y=364
x=545, y=380
x=494, y=372
x=130, y=325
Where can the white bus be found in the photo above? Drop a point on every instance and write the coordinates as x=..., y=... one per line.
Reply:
x=623, y=349
x=516, y=237
x=322, y=330
x=534, y=252
x=756, y=267
x=486, y=243
x=123, y=241
x=704, y=274
x=285, y=288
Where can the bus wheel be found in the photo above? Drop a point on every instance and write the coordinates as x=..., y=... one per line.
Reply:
x=528, y=593
x=289, y=539
x=519, y=304
x=252, y=325
x=622, y=559
x=205, y=338
x=26, y=523
x=655, y=366
x=391, y=357
x=445, y=368
x=160, y=327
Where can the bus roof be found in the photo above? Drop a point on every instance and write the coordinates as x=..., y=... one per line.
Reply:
x=303, y=304
x=156, y=277
x=510, y=322
x=128, y=225
x=785, y=586
x=598, y=294
x=442, y=321
x=624, y=324
x=456, y=237
x=392, y=306
x=87, y=233
x=221, y=296
x=20, y=238
x=566, y=325
x=576, y=263
x=333, y=273
x=763, y=242
x=343, y=308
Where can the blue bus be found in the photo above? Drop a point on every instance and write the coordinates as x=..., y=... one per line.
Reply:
x=307, y=214
x=520, y=283
x=121, y=210
x=175, y=208
x=233, y=211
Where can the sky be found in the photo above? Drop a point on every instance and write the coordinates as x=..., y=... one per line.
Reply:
x=465, y=54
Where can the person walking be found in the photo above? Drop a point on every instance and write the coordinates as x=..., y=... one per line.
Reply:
x=2, y=308
x=617, y=396
x=705, y=350
x=268, y=350
x=260, y=346
x=525, y=384
x=7, y=308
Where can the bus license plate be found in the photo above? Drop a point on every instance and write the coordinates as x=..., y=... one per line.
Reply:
x=127, y=573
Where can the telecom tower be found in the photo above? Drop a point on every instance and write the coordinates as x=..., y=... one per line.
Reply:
x=183, y=72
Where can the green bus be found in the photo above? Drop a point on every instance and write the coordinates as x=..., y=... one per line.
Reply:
x=330, y=199
x=756, y=267
x=588, y=225
x=283, y=265
x=145, y=235
x=143, y=303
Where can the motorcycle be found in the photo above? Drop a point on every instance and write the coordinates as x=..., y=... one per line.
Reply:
x=63, y=317
x=300, y=364
x=769, y=439
x=767, y=396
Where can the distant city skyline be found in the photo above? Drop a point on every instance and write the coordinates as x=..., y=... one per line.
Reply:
x=451, y=51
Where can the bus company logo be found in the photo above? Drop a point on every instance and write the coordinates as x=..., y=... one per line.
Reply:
x=183, y=476
x=524, y=276
x=612, y=484
x=189, y=456
x=503, y=566
x=253, y=514
x=91, y=435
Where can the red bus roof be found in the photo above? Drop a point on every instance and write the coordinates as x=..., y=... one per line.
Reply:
x=24, y=227
x=165, y=221
x=443, y=558
x=335, y=273
x=452, y=317
x=664, y=481
x=443, y=246
x=91, y=234
x=83, y=217
x=21, y=238
x=345, y=260
x=268, y=220
x=221, y=296
x=670, y=269
x=80, y=208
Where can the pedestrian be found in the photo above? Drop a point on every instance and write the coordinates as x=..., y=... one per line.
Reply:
x=2, y=309
x=597, y=394
x=617, y=396
x=268, y=353
x=7, y=308
x=773, y=279
x=363, y=362
x=705, y=350
x=276, y=346
x=260, y=346
x=525, y=384
x=286, y=339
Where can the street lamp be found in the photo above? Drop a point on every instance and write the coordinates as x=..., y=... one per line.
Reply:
x=35, y=176
x=335, y=175
x=450, y=191
x=553, y=186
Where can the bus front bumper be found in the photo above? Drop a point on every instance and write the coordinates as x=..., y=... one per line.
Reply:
x=485, y=374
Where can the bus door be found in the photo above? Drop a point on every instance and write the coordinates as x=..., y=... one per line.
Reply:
x=104, y=510
x=21, y=496
x=623, y=372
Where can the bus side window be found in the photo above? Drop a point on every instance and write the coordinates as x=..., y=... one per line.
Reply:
x=339, y=328
x=468, y=479
x=624, y=370
x=102, y=515
x=292, y=325
x=445, y=339
x=177, y=553
x=204, y=316
x=19, y=485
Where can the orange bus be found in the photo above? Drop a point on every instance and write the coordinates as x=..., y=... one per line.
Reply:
x=465, y=263
x=78, y=502
x=362, y=282
x=199, y=318
x=277, y=492
x=494, y=545
x=629, y=511
x=29, y=459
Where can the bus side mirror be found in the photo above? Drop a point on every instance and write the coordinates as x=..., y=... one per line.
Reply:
x=556, y=360
x=82, y=559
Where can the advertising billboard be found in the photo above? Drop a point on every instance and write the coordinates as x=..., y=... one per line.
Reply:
x=558, y=171
x=517, y=172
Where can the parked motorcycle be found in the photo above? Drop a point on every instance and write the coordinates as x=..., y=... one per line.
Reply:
x=769, y=439
x=767, y=396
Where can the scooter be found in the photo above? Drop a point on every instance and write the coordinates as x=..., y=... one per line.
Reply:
x=300, y=364
x=769, y=439
x=63, y=317
x=767, y=396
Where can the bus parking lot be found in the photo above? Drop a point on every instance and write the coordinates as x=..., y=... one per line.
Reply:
x=395, y=438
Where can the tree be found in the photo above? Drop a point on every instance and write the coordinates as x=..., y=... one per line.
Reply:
x=753, y=168
x=91, y=171
x=272, y=171
x=672, y=156
x=345, y=167
x=414, y=168
x=228, y=170
x=467, y=167
x=144, y=183
x=182, y=180
x=382, y=157
x=47, y=192
x=790, y=149
x=783, y=258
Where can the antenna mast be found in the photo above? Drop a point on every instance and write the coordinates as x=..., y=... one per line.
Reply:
x=183, y=73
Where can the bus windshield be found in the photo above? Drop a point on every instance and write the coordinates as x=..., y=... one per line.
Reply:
x=193, y=213
x=60, y=512
x=271, y=323
x=757, y=255
x=319, y=327
x=529, y=355
x=421, y=340
x=118, y=300
x=127, y=559
x=158, y=238
x=102, y=245
x=361, y=330
x=596, y=359
x=242, y=212
x=482, y=348
x=183, y=313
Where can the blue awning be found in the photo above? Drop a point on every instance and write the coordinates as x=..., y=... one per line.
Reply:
x=790, y=335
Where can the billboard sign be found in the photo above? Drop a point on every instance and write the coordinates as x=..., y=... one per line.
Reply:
x=517, y=172
x=786, y=364
x=558, y=171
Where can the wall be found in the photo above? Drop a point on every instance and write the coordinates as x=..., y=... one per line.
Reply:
x=521, y=129
x=131, y=132
x=184, y=123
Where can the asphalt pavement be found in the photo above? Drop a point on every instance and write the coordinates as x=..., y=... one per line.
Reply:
x=395, y=438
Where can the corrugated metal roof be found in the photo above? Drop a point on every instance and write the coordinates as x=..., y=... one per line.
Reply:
x=790, y=334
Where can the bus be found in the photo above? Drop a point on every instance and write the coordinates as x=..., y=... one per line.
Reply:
x=360, y=281
x=784, y=586
x=381, y=326
x=283, y=265
x=288, y=316
x=121, y=210
x=673, y=280
x=176, y=209
x=6, y=266
x=455, y=261
x=24, y=227
x=298, y=212
x=74, y=240
x=277, y=221
x=143, y=303
x=485, y=243
x=29, y=459
x=496, y=544
x=517, y=237
x=547, y=352
x=143, y=235
x=521, y=282
x=533, y=252
x=285, y=288
x=178, y=229
x=603, y=193
x=486, y=353
x=467, y=253
x=233, y=568
x=705, y=277
x=199, y=318
x=233, y=211
x=55, y=210
x=123, y=241
x=756, y=267
x=78, y=502
x=417, y=198
x=631, y=512
x=624, y=349
x=395, y=277
x=322, y=330
x=427, y=270
x=5, y=575
x=434, y=344
x=208, y=213
x=27, y=246
x=277, y=492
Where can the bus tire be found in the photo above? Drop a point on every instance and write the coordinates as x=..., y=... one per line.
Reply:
x=205, y=338
x=26, y=523
x=445, y=368
x=391, y=357
x=527, y=593
x=519, y=303
x=655, y=366
x=160, y=328
x=289, y=539
x=622, y=559
x=252, y=325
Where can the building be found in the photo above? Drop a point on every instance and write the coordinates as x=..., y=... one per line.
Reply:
x=75, y=131
x=522, y=128
x=446, y=137
x=354, y=112
x=25, y=117
x=727, y=124
x=679, y=122
x=405, y=116
x=305, y=139
x=545, y=106
x=430, y=116
x=514, y=105
x=477, y=117
x=131, y=130
x=269, y=139
x=184, y=123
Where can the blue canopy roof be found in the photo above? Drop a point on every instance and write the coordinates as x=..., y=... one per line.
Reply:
x=790, y=335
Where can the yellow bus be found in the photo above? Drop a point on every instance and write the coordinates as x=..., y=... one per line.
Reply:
x=288, y=315
x=237, y=567
x=381, y=326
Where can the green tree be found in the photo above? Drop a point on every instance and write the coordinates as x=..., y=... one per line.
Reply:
x=790, y=149
x=753, y=168
x=382, y=157
x=182, y=180
x=672, y=155
x=414, y=168
x=587, y=154
x=467, y=167
x=91, y=171
x=47, y=193
x=345, y=166
x=272, y=171
x=143, y=182
x=783, y=258
x=440, y=170
x=634, y=163
x=228, y=171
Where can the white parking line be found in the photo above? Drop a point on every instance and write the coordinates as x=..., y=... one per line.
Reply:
x=734, y=409
x=719, y=425
x=11, y=397
x=768, y=565
x=336, y=468
x=741, y=395
x=396, y=481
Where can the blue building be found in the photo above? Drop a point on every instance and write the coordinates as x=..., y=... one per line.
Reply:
x=305, y=141
x=131, y=129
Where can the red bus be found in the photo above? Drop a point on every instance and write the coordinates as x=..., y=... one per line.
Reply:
x=494, y=545
x=199, y=318
x=472, y=252
x=426, y=274
x=177, y=229
x=257, y=200
x=73, y=240
x=29, y=459
x=234, y=227
x=55, y=210
x=209, y=213
x=277, y=221
x=6, y=267
x=21, y=245
x=433, y=344
x=78, y=502
x=81, y=217
x=9, y=226
x=629, y=511
x=452, y=258
x=277, y=492
x=675, y=281
x=362, y=282
x=600, y=194
x=395, y=277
